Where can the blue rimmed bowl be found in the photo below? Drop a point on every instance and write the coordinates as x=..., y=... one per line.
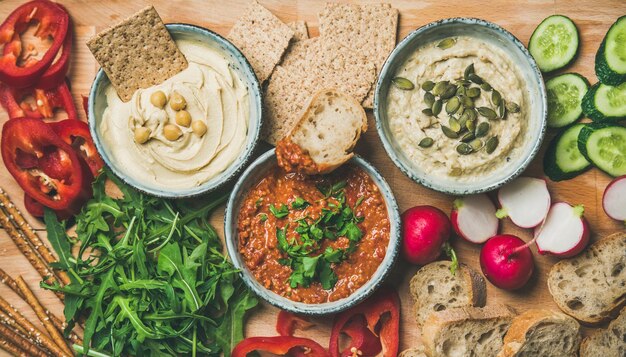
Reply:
x=536, y=94
x=98, y=103
x=257, y=171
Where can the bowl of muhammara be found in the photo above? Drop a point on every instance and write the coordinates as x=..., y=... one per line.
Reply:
x=312, y=244
x=461, y=106
x=191, y=133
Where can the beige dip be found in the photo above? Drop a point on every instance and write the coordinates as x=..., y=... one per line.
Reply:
x=409, y=125
x=214, y=94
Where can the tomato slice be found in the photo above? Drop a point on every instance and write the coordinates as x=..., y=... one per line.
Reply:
x=76, y=133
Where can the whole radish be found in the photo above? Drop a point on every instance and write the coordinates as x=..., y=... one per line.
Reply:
x=506, y=261
x=425, y=230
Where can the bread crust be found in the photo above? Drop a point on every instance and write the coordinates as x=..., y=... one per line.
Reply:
x=587, y=345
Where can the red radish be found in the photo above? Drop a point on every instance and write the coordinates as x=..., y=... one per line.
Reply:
x=425, y=229
x=507, y=262
x=525, y=200
x=614, y=199
x=474, y=218
x=565, y=231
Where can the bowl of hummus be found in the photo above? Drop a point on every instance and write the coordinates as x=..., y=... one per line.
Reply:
x=190, y=134
x=461, y=106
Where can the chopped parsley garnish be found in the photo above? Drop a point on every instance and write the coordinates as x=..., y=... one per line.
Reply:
x=299, y=203
x=263, y=217
x=281, y=212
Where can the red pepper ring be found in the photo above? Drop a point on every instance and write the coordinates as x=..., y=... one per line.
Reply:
x=280, y=345
x=46, y=102
x=384, y=301
x=287, y=323
x=55, y=74
x=361, y=338
x=76, y=133
x=44, y=166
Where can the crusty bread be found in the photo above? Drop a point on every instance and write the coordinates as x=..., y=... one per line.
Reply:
x=466, y=331
x=413, y=352
x=610, y=342
x=327, y=131
x=435, y=288
x=592, y=286
x=544, y=333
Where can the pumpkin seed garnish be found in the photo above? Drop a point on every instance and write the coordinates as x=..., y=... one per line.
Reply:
x=428, y=86
x=482, y=129
x=428, y=112
x=447, y=43
x=429, y=99
x=491, y=144
x=502, y=109
x=437, y=107
x=512, y=107
x=469, y=70
x=473, y=92
x=448, y=92
x=468, y=102
x=460, y=90
x=464, y=149
x=402, y=83
x=464, y=118
x=449, y=132
x=476, y=144
x=487, y=113
x=496, y=98
x=440, y=87
x=473, y=115
x=486, y=87
x=426, y=142
x=470, y=125
x=475, y=78
x=453, y=105
x=468, y=137
x=454, y=124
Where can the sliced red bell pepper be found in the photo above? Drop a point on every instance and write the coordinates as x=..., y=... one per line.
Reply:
x=46, y=102
x=53, y=21
x=44, y=166
x=76, y=133
x=36, y=209
x=382, y=314
x=361, y=338
x=55, y=74
x=280, y=345
x=287, y=323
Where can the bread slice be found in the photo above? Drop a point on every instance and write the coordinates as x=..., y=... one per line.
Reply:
x=540, y=332
x=326, y=133
x=592, y=286
x=413, y=352
x=607, y=343
x=467, y=331
x=435, y=288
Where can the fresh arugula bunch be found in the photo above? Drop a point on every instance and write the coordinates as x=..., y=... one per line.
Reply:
x=303, y=255
x=149, y=277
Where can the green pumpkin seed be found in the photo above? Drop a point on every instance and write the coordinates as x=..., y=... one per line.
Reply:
x=502, y=109
x=464, y=82
x=472, y=114
x=471, y=125
x=512, y=107
x=428, y=86
x=440, y=87
x=437, y=107
x=476, y=144
x=448, y=92
x=454, y=124
x=468, y=137
x=482, y=129
x=402, y=83
x=460, y=90
x=475, y=78
x=428, y=112
x=496, y=98
x=464, y=118
x=469, y=70
x=467, y=102
x=464, y=149
x=486, y=87
x=473, y=92
x=491, y=144
x=447, y=43
x=449, y=132
x=453, y=105
x=426, y=142
x=487, y=113
x=429, y=99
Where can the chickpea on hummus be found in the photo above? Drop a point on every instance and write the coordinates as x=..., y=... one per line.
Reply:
x=458, y=108
x=184, y=131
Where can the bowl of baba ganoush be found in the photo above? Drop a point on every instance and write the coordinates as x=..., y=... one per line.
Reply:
x=461, y=106
x=188, y=135
x=312, y=244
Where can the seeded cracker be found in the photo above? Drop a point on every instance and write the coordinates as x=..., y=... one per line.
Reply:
x=367, y=29
x=262, y=38
x=137, y=53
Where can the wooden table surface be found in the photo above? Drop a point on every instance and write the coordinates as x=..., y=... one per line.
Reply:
x=593, y=18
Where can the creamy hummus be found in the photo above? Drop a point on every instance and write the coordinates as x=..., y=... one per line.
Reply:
x=409, y=125
x=214, y=95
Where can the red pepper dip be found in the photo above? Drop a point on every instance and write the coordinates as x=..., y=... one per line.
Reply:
x=314, y=239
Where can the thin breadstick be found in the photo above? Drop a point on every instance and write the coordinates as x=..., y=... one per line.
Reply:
x=31, y=235
x=42, y=314
x=18, y=345
x=9, y=321
x=34, y=332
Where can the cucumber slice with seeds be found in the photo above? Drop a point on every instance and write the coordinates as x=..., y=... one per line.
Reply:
x=563, y=159
x=565, y=94
x=554, y=43
x=611, y=56
x=605, y=146
x=605, y=103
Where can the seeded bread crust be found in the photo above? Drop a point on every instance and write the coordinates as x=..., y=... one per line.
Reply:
x=591, y=287
x=610, y=342
x=540, y=332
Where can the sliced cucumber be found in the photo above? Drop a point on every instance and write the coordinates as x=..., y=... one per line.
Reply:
x=605, y=146
x=605, y=103
x=611, y=56
x=563, y=159
x=565, y=94
x=554, y=43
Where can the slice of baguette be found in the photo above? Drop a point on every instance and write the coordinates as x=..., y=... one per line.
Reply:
x=592, y=286
x=327, y=133
x=610, y=342
x=467, y=331
x=413, y=352
x=540, y=332
x=435, y=288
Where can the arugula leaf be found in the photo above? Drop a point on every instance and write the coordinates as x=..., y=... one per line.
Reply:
x=57, y=238
x=281, y=212
x=230, y=331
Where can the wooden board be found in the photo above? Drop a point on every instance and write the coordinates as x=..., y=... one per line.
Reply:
x=593, y=18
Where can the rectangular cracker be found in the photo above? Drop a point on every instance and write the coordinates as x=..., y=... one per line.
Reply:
x=137, y=53
x=300, y=30
x=368, y=29
x=262, y=38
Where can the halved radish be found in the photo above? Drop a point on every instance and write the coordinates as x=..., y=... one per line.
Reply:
x=474, y=218
x=564, y=232
x=525, y=200
x=614, y=199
